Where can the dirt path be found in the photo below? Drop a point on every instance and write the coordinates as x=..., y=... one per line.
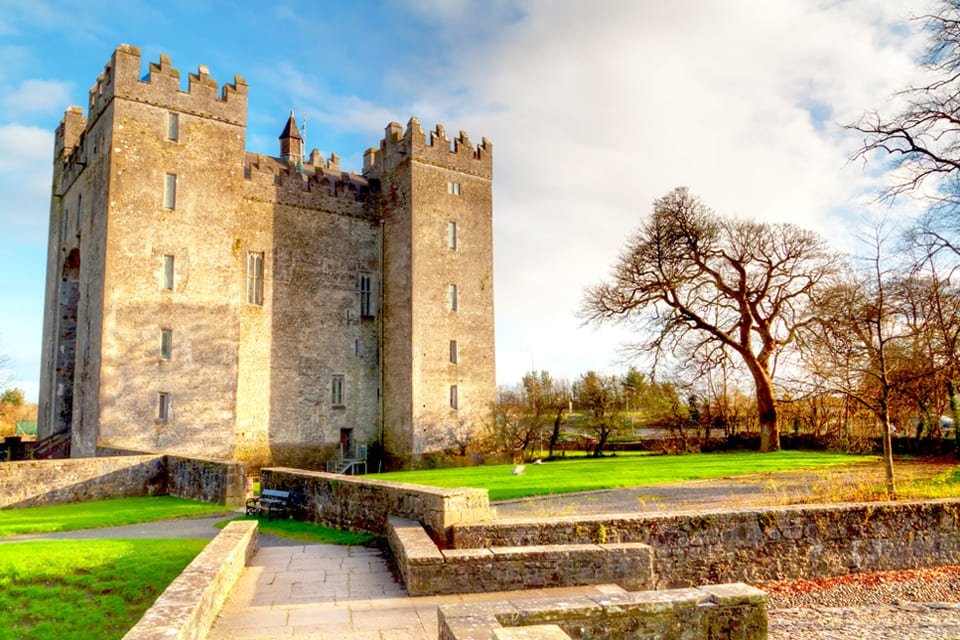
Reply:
x=761, y=489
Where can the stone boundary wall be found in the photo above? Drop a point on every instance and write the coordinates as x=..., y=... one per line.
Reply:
x=428, y=570
x=756, y=545
x=361, y=504
x=33, y=483
x=188, y=607
x=704, y=613
x=216, y=481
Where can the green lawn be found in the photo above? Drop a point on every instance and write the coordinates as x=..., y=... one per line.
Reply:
x=587, y=474
x=101, y=513
x=306, y=531
x=84, y=589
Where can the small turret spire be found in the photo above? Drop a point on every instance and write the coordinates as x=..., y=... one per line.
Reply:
x=291, y=143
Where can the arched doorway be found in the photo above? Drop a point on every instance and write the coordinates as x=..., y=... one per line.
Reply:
x=67, y=340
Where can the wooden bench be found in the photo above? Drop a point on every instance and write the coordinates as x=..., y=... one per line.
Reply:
x=270, y=502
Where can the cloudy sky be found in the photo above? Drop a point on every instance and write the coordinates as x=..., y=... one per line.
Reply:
x=594, y=109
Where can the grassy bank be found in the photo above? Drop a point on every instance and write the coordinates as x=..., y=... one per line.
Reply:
x=587, y=474
x=91, y=589
x=101, y=513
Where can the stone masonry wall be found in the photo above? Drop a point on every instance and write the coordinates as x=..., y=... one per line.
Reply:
x=35, y=483
x=428, y=570
x=756, y=545
x=361, y=504
x=706, y=613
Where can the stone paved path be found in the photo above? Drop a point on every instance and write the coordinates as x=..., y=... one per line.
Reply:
x=328, y=592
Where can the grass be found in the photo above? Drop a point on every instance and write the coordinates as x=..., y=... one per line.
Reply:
x=307, y=532
x=100, y=513
x=89, y=589
x=945, y=484
x=588, y=474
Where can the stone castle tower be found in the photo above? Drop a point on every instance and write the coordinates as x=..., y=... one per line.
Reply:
x=209, y=301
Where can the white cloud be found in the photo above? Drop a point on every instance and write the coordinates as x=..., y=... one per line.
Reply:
x=37, y=97
x=25, y=171
x=596, y=111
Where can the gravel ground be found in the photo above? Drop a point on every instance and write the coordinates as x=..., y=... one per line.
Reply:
x=759, y=489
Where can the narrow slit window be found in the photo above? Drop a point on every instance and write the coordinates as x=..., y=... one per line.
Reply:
x=452, y=235
x=452, y=293
x=166, y=344
x=79, y=211
x=65, y=224
x=366, y=291
x=173, y=126
x=170, y=191
x=336, y=395
x=453, y=351
x=163, y=406
x=454, y=401
x=255, y=278
x=168, y=265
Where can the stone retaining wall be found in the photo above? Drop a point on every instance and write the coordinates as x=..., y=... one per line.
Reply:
x=705, y=613
x=362, y=504
x=756, y=545
x=34, y=483
x=428, y=570
x=188, y=607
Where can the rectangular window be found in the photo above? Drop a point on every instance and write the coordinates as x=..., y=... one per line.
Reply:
x=64, y=225
x=452, y=235
x=453, y=351
x=366, y=288
x=453, y=297
x=166, y=343
x=173, y=126
x=79, y=211
x=163, y=406
x=170, y=191
x=168, y=273
x=453, y=188
x=336, y=396
x=453, y=397
x=255, y=278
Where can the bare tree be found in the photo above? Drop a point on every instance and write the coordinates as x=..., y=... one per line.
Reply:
x=601, y=398
x=704, y=283
x=861, y=343
x=923, y=139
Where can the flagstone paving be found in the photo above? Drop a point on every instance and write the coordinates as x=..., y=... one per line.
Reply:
x=328, y=592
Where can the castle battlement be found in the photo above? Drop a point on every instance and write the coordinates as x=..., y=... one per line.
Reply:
x=399, y=145
x=318, y=187
x=161, y=88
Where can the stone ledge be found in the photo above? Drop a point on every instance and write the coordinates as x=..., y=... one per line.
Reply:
x=187, y=608
x=679, y=614
x=428, y=570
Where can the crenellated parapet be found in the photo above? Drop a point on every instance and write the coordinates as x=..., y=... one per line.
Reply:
x=318, y=186
x=161, y=88
x=69, y=131
x=399, y=145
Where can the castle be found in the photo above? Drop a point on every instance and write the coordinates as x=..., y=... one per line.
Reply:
x=209, y=301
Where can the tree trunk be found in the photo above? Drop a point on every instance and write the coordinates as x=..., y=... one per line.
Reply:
x=954, y=414
x=766, y=408
x=600, y=443
x=555, y=436
x=888, y=454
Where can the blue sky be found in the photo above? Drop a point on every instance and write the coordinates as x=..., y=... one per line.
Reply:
x=594, y=109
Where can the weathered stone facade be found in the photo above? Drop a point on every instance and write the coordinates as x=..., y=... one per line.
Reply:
x=208, y=301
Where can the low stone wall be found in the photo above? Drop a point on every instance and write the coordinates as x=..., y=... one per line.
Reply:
x=705, y=613
x=34, y=483
x=428, y=570
x=216, y=481
x=362, y=504
x=756, y=545
x=187, y=608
